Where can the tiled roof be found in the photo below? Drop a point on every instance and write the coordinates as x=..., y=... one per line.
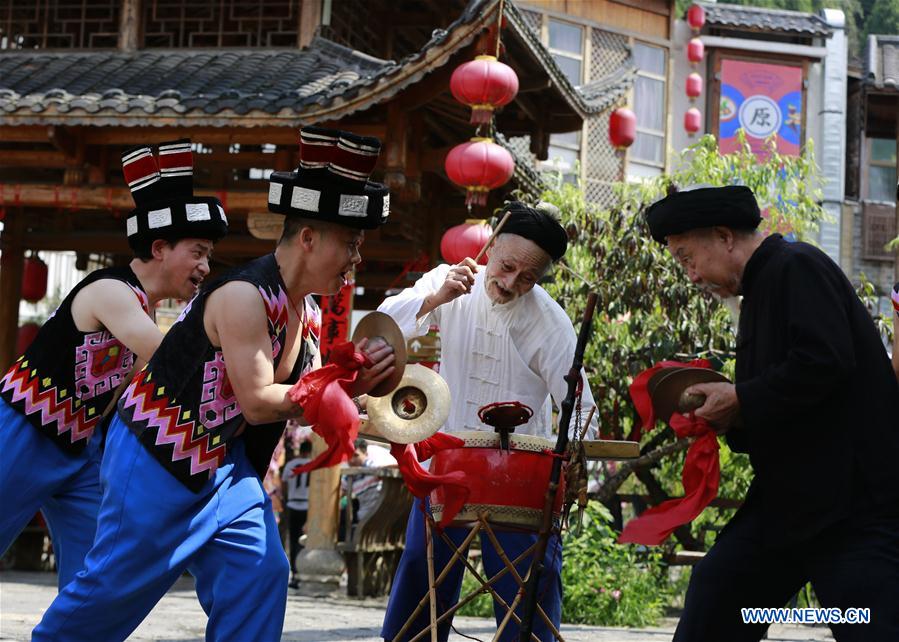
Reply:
x=181, y=80
x=763, y=19
x=215, y=87
x=882, y=61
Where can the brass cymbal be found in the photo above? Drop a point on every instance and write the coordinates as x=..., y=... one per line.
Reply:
x=415, y=410
x=379, y=327
x=668, y=394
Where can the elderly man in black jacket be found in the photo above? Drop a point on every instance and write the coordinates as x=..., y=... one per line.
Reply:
x=816, y=407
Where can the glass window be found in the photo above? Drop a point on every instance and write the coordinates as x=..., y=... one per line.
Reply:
x=650, y=98
x=881, y=183
x=566, y=44
x=565, y=37
x=882, y=169
x=649, y=101
x=570, y=67
x=883, y=150
x=649, y=147
x=649, y=59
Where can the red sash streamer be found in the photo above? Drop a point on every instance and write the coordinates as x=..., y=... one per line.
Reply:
x=700, y=475
x=328, y=407
x=420, y=482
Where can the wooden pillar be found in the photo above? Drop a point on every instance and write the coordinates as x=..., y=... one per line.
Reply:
x=129, y=26
x=12, y=264
x=319, y=565
x=310, y=19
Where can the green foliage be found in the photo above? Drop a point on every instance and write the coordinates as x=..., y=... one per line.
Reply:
x=611, y=584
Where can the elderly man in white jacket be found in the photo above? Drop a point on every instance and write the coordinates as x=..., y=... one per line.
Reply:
x=503, y=339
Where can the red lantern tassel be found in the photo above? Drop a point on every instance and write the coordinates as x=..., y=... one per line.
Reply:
x=481, y=114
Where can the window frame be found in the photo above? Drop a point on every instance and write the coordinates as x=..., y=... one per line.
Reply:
x=663, y=134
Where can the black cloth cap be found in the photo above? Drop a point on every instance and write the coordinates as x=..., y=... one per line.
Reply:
x=332, y=181
x=731, y=206
x=537, y=226
x=165, y=206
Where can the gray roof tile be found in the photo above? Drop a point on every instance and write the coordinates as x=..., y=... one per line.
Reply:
x=882, y=61
x=763, y=19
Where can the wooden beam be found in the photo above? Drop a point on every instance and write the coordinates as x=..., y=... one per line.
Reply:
x=104, y=197
x=129, y=26
x=310, y=19
x=287, y=134
x=11, y=268
x=33, y=158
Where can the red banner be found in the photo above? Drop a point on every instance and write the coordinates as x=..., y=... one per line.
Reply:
x=336, y=311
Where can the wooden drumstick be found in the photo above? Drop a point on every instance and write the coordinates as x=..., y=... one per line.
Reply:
x=492, y=237
x=586, y=425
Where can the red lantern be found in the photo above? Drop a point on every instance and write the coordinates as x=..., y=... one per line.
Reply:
x=693, y=120
x=484, y=84
x=694, y=85
x=479, y=165
x=25, y=335
x=465, y=240
x=622, y=128
x=696, y=17
x=695, y=50
x=34, y=279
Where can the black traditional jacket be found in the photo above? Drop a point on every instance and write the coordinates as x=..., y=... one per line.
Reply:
x=818, y=397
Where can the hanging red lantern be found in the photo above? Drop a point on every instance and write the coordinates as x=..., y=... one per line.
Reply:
x=25, y=335
x=622, y=128
x=484, y=84
x=693, y=120
x=695, y=51
x=696, y=17
x=465, y=240
x=34, y=279
x=479, y=165
x=694, y=86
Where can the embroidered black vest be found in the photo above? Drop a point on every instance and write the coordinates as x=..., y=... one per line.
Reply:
x=182, y=407
x=66, y=377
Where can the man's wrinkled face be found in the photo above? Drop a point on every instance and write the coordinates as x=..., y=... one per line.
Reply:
x=514, y=267
x=706, y=257
x=185, y=265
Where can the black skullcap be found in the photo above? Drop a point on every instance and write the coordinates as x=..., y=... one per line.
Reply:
x=537, y=225
x=732, y=206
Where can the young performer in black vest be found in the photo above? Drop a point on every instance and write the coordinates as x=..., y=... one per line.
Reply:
x=89, y=345
x=195, y=430
x=816, y=407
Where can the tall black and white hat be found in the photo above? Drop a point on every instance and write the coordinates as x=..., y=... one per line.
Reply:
x=332, y=181
x=166, y=207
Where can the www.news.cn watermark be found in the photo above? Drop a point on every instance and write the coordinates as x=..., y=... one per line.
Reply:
x=806, y=616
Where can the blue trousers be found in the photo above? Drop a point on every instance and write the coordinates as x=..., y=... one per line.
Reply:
x=411, y=581
x=36, y=475
x=152, y=528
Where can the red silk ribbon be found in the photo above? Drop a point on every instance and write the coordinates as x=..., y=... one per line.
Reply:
x=328, y=407
x=420, y=482
x=701, y=473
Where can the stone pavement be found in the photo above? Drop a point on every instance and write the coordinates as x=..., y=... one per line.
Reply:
x=178, y=617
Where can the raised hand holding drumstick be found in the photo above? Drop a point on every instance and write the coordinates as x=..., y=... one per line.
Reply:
x=460, y=279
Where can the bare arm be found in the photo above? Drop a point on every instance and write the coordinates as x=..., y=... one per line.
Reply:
x=235, y=319
x=112, y=305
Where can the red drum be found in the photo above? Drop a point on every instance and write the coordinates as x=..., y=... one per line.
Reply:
x=510, y=486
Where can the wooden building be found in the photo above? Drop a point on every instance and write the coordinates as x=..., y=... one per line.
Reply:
x=80, y=80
